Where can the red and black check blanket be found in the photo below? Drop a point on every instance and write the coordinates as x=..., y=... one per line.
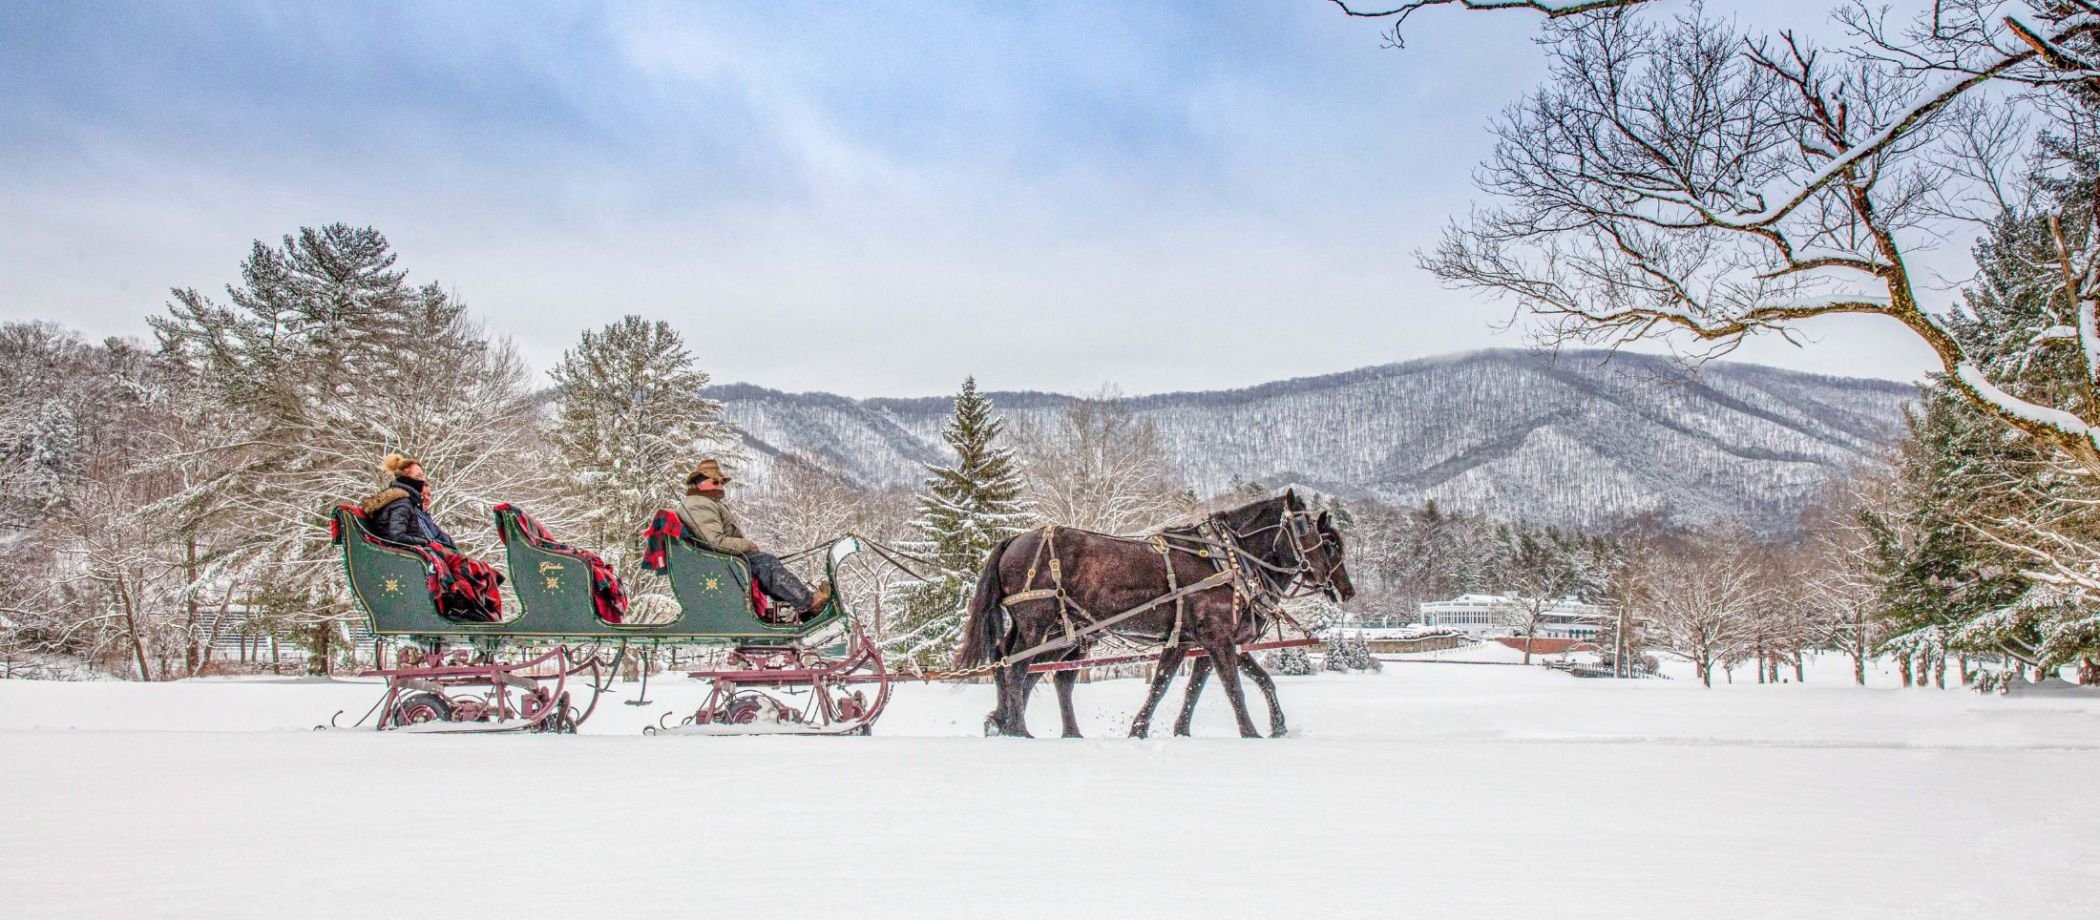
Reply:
x=466, y=589
x=607, y=595
x=656, y=541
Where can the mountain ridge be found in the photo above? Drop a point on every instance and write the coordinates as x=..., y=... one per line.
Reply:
x=1498, y=431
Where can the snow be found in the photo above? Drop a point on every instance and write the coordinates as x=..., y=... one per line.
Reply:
x=1432, y=789
x=1968, y=373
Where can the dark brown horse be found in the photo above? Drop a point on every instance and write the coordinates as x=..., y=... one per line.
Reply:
x=1046, y=584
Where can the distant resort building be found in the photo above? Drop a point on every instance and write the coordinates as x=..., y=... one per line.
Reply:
x=1488, y=615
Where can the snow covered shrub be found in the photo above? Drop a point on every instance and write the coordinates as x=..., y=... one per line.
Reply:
x=1292, y=662
x=1350, y=655
x=1999, y=680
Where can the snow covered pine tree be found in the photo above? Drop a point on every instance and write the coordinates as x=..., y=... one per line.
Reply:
x=629, y=424
x=965, y=510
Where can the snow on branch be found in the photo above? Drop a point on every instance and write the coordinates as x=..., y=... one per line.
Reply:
x=1552, y=8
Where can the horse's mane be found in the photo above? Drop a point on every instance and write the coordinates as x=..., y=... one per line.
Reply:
x=1256, y=510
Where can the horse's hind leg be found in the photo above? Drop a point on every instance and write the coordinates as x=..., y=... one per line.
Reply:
x=1169, y=662
x=1199, y=674
x=1011, y=717
x=1268, y=692
x=1228, y=666
x=1019, y=684
x=995, y=724
x=1065, y=680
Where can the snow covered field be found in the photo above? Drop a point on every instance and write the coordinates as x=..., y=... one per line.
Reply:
x=1431, y=790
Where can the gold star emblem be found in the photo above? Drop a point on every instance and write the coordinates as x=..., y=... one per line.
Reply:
x=714, y=584
x=392, y=585
x=554, y=582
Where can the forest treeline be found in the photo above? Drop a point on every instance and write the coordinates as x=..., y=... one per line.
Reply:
x=160, y=495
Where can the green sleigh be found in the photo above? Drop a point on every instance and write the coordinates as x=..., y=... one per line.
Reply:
x=551, y=585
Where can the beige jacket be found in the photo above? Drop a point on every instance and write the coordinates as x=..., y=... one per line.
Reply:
x=710, y=522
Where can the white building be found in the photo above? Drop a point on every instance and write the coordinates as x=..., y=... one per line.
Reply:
x=1485, y=615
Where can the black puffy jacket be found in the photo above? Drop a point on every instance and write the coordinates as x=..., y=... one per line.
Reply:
x=397, y=515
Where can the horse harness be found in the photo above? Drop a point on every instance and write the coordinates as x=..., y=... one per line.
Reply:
x=1210, y=540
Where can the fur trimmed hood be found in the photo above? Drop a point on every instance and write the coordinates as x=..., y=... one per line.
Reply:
x=385, y=497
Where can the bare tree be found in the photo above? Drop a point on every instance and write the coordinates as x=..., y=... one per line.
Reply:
x=1697, y=599
x=1537, y=576
x=1100, y=467
x=1682, y=178
x=1839, y=577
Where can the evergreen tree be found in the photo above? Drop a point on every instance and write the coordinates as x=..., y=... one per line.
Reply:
x=629, y=424
x=322, y=360
x=1939, y=574
x=1978, y=511
x=965, y=509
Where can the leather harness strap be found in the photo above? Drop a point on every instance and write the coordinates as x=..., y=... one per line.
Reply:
x=1248, y=587
x=1166, y=561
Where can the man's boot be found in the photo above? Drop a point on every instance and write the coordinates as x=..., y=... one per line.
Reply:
x=817, y=600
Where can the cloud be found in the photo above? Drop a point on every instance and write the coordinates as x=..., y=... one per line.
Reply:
x=873, y=199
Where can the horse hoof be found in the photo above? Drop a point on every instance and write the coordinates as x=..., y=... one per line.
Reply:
x=1280, y=733
x=1071, y=735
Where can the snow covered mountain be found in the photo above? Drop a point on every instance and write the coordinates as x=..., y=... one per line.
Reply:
x=1573, y=440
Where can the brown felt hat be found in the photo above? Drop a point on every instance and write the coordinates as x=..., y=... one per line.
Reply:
x=708, y=469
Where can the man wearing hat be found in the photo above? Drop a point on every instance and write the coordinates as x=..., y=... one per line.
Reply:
x=707, y=519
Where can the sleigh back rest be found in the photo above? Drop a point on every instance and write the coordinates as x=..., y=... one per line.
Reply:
x=553, y=585
x=715, y=591
x=390, y=583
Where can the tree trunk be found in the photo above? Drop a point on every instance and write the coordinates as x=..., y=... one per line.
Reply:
x=131, y=628
x=276, y=655
x=1800, y=666
x=1706, y=673
x=1962, y=664
x=1939, y=671
x=194, y=658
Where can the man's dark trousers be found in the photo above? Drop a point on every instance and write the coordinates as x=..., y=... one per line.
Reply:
x=775, y=579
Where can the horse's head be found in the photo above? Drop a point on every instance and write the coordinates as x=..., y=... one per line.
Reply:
x=1292, y=541
x=1324, y=564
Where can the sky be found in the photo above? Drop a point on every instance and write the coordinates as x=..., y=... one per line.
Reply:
x=870, y=199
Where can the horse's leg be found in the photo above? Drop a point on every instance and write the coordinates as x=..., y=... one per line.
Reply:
x=1169, y=662
x=1014, y=683
x=1268, y=691
x=995, y=724
x=1199, y=674
x=1228, y=658
x=1065, y=680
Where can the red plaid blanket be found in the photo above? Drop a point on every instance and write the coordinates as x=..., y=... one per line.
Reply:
x=607, y=595
x=656, y=541
x=465, y=588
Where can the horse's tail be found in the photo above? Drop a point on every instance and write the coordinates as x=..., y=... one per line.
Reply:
x=987, y=622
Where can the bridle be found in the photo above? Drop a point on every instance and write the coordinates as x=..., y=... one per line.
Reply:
x=1301, y=578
